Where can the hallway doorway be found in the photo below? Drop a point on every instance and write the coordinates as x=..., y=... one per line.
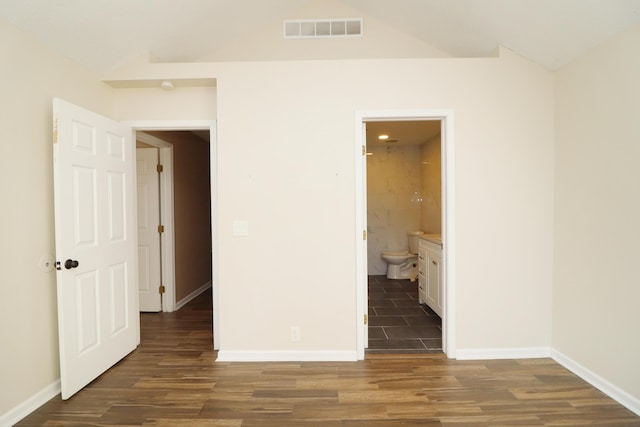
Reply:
x=199, y=206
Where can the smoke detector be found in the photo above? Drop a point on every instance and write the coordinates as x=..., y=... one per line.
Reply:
x=167, y=85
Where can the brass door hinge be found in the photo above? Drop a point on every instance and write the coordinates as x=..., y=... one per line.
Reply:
x=366, y=319
x=161, y=229
x=160, y=168
x=55, y=130
x=161, y=289
x=364, y=150
x=364, y=234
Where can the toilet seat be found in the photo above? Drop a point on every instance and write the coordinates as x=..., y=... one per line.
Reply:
x=398, y=256
x=396, y=253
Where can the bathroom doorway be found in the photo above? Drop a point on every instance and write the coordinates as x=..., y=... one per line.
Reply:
x=410, y=194
x=404, y=195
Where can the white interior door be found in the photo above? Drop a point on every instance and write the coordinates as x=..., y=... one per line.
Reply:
x=149, y=266
x=95, y=205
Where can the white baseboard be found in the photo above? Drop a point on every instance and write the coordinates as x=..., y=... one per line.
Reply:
x=184, y=301
x=286, y=356
x=503, y=353
x=28, y=406
x=630, y=402
x=620, y=396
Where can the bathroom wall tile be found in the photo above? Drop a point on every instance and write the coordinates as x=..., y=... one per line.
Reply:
x=393, y=180
x=431, y=180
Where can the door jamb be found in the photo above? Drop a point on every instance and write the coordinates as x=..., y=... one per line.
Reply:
x=448, y=219
x=210, y=125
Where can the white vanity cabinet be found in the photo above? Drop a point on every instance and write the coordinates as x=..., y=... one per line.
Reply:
x=422, y=272
x=430, y=286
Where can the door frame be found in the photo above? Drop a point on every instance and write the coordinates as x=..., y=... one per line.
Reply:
x=446, y=116
x=178, y=125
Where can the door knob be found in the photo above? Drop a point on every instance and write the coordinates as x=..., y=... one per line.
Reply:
x=69, y=264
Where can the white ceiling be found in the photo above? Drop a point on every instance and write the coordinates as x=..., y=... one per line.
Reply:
x=105, y=34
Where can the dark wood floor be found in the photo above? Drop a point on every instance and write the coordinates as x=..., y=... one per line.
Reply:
x=172, y=379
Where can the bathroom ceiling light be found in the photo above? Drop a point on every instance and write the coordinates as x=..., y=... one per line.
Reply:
x=167, y=85
x=383, y=137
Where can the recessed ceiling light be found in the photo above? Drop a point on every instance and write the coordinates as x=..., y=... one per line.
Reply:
x=383, y=137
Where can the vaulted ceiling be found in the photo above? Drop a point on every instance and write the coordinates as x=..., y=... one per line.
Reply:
x=105, y=34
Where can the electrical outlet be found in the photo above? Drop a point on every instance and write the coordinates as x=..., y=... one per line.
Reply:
x=295, y=333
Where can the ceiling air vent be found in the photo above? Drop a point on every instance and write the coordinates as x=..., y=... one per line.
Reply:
x=322, y=28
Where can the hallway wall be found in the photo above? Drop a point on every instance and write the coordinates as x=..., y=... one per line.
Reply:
x=192, y=210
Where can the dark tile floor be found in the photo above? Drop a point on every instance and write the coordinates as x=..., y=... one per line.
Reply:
x=397, y=322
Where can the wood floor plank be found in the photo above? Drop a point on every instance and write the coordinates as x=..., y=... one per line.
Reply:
x=196, y=422
x=173, y=379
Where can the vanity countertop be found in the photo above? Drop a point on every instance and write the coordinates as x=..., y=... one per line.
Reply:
x=435, y=238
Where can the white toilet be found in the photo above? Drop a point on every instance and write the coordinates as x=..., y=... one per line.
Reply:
x=403, y=264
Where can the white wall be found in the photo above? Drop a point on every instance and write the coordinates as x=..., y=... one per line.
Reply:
x=181, y=103
x=286, y=165
x=596, y=321
x=380, y=40
x=31, y=76
x=287, y=155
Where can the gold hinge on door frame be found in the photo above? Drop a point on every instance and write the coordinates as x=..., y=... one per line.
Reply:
x=366, y=319
x=160, y=168
x=364, y=234
x=364, y=150
x=161, y=289
x=55, y=130
x=161, y=229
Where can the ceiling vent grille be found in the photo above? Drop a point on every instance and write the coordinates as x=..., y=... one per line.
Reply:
x=322, y=28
